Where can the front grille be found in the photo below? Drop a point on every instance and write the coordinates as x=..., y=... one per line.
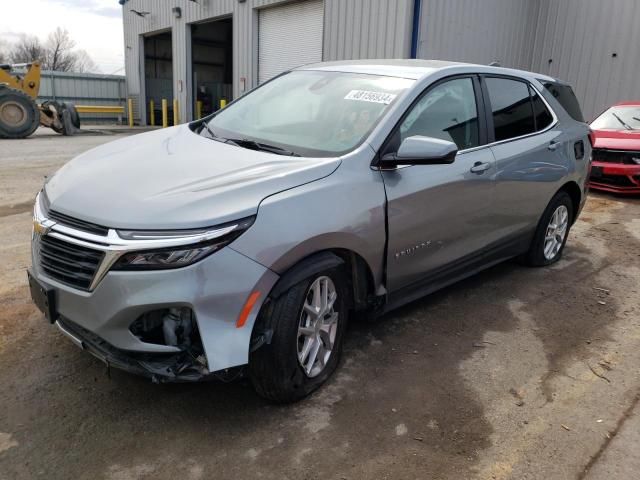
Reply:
x=68, y=263
x=77, y=224
x=615, y=156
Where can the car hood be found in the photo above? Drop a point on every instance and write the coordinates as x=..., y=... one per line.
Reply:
x=617, y=139
x=174, y=179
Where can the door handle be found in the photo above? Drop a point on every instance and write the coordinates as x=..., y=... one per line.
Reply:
x=480, y=167
x=553, y=146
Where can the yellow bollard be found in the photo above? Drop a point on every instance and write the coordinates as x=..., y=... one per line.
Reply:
x=223, y=103
x=198, y=109
x=165, y=114
x=152, y=113
x=130, y=111
x=176, y=114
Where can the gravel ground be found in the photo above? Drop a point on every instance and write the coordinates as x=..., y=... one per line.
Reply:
x=516, y=373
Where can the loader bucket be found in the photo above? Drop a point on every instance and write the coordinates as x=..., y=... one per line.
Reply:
x=62, y=117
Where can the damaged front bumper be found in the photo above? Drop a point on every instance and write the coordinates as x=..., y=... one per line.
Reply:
x=105, y=321
x=615, y=178
x=183, y=366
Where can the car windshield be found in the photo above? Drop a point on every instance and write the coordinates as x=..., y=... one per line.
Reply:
x=308, y=113
x=618, y=118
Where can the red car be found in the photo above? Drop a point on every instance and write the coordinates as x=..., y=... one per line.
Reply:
x=616, y=149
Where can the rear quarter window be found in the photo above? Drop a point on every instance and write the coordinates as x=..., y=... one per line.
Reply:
x=566, y=97
x=540, y=111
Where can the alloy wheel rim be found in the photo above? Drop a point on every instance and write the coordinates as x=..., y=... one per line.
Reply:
x=317, y=326
x=556, y=232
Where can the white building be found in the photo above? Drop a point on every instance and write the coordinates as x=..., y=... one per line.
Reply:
x=207, y=50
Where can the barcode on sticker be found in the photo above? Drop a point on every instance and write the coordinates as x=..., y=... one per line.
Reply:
x=367, y=96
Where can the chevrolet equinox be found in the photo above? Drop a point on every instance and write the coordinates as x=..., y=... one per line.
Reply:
x=242, y=243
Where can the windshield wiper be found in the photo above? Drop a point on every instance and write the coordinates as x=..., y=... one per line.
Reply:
x=208, y=129
x=250, y=144
x=621, y=121
x=253, y=145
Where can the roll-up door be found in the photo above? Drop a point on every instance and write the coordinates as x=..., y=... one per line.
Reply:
x=289, y=36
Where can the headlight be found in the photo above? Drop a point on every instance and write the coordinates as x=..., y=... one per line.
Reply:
x=636, y=159
x=179, y=255
x=164, y=259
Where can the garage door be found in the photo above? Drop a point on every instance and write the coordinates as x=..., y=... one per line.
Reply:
x=289, y=36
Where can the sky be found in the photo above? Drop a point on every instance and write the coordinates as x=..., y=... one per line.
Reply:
x=95, y=25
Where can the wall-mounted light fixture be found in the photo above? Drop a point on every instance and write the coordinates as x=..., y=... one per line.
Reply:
x=177, y=12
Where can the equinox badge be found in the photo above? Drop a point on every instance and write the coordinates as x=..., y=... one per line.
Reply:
x=411, y=250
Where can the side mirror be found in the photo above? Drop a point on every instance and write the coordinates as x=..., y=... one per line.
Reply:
x=419, y=150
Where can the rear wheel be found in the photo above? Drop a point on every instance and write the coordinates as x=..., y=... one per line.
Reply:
x=552, y=232
x=19, y=114
x=307, y=324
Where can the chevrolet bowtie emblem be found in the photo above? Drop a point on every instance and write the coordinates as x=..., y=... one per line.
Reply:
x=39, y=228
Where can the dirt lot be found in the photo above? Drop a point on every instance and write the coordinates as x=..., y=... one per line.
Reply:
x=516, y=373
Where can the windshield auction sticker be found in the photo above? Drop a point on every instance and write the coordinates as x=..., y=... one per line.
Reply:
x=367, y=96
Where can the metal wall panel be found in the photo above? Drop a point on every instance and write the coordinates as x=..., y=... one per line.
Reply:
x=478, y=31
x=84, y=89
x=356, y=29
x=576, y=40
x=579, y=36
x=352, y=29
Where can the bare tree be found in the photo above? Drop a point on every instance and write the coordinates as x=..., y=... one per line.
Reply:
x=59, y=51
x=4, y=51
x=27, y=49
x=84, y=63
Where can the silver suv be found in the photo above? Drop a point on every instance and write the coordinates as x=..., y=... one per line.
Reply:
x=243, y=242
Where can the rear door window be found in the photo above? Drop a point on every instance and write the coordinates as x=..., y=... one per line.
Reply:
x=511, y=108
x=566, y=97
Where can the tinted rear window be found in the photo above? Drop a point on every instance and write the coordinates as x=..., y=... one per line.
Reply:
x=565, y=96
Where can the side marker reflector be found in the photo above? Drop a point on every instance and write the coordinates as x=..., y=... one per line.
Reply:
x=246, y=310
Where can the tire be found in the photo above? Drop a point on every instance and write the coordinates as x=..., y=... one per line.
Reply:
x=73, y=114
x=67, y=124
x=275, y=370
x=540, y=254
x=19, y=114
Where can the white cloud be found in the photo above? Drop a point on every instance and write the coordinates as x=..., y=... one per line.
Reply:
x=95, y=25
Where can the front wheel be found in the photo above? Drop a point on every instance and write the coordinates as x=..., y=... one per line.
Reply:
x=19, y=114
x=552, y=232
x=306, y=324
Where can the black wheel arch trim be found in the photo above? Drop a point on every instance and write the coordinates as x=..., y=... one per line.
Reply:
x=311, y=265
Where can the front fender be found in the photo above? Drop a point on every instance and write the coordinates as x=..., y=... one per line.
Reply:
x=342, y=211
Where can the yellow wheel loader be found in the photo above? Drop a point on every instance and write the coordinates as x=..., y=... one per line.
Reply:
x=20, y=115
